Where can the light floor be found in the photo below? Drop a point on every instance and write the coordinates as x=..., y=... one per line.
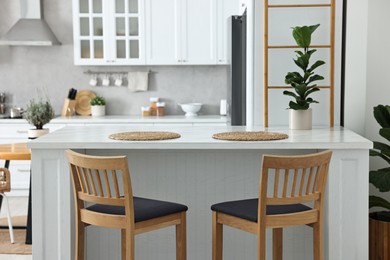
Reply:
x=18, y=206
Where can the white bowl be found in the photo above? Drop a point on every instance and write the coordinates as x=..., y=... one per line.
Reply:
x=191, y=109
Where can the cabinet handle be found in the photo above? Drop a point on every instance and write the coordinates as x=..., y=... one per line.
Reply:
x=178, y=60
x=23, y=170
x=220, y=60
x=184, y=60
x=21, y=131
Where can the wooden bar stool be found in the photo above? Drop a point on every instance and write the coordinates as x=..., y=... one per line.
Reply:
x=285, y=183
x=5, y=186
x=18, y=151
x=96, y=180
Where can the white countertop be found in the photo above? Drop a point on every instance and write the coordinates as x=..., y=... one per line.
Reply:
x=128, y=119
x=197, y=137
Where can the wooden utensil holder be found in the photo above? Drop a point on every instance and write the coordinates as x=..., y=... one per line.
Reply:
x=69, y=108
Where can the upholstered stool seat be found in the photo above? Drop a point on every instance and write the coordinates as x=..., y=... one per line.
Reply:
x=248, y=209
x=144, y=209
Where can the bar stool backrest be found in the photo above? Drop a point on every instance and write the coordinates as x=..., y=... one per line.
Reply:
x=293, y=179
x=101, y=180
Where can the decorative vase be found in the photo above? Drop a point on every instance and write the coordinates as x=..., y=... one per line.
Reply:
x=300, y=119
x=98, y=110
x=35, y=133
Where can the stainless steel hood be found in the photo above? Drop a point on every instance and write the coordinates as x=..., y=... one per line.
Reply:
x=30, y=29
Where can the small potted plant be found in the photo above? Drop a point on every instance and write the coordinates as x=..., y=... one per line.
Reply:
x=38, y=113
x=302, y=83
x=98, y=106
x=380, y=220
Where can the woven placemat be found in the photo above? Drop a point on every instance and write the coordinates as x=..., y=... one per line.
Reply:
x=144, y=136
x=250, y=136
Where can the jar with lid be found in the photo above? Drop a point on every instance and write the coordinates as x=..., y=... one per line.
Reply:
x=145, y=111
x=153, y=106
x=160, y=108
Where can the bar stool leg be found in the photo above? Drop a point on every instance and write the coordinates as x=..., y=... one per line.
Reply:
x=277, y=243
x=29, y=220
x=11, y=231
x=217, y=238
x=317, y=241
x=181, y=238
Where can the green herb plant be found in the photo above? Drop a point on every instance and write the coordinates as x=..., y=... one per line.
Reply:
x=98, y=101
x=39, y=113
x=303, y=82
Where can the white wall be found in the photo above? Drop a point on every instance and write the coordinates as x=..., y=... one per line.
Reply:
x=356, y=65
x=378, y=57
x=378, y=71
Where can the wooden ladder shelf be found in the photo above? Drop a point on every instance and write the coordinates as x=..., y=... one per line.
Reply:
x=266, y=86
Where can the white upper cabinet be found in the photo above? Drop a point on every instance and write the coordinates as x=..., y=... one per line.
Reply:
x=181, y=32
x=199, y=31
x=162, y=34
x=225, y=10
x=152, y=32
x=108, y=32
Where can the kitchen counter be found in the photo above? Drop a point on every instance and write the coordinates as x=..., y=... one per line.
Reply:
x=199, y=137
x=120, y=119
x=198, y=171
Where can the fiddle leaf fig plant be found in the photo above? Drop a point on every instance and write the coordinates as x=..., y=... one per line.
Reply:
x=302, y=82
x=381, y=178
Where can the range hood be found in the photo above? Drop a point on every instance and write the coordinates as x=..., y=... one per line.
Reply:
x=30, y=29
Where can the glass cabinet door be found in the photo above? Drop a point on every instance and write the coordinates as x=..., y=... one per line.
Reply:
x=127, y=31
x=91, y=29
x=108, y=32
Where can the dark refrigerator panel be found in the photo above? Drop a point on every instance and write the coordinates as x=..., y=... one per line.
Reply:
x=238, y=70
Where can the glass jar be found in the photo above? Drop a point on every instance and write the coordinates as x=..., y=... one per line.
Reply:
x=160, y=108
x=145, y=111
x=153, y=106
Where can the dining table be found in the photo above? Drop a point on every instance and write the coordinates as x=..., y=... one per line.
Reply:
x=12, y=152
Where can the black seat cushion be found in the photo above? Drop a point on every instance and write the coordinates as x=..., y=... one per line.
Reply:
x=247, y=209
x=144, y=209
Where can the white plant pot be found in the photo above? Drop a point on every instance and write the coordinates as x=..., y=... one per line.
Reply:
x=35, y=133
x=98, y=110
x=300, y=119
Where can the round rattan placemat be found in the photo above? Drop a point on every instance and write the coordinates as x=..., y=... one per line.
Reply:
x=144, y=136
x=250, y=136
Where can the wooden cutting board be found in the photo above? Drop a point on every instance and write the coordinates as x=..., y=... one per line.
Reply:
x=83, y=97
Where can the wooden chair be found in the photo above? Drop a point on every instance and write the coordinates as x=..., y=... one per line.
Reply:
x=5, y=186
x=285, y=183
x=106, y=182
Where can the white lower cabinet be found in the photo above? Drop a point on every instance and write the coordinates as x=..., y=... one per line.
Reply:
x=20, y=170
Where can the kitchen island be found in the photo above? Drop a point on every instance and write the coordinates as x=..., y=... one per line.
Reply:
x=198, y=171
